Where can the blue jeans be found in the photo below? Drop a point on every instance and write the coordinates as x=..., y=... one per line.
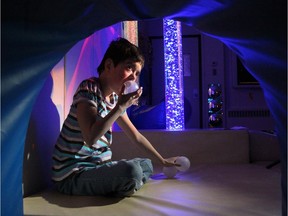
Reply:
x=117, y=178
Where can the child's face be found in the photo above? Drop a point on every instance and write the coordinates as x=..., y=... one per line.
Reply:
x=124, y=71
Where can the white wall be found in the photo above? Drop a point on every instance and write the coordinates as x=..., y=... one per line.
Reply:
x=245, y=99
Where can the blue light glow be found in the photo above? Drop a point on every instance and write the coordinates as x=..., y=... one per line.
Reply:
x=174, y=99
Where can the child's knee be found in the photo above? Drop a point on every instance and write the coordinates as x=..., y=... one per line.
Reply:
x=133, y=170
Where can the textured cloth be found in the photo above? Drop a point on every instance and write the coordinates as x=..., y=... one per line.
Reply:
x=117, y=178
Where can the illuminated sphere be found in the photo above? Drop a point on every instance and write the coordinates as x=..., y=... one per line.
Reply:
x=184, y=163
x=215, y=120
x=170, y=172
x=215, y=105
x=214, y=91
x=130, y=86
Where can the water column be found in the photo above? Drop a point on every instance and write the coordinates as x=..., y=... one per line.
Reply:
x=174, y=95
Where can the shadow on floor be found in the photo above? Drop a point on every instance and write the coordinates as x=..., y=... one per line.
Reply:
x=69, y=201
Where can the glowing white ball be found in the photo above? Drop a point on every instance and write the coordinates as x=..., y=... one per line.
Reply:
x=170, y=172
x=183, y=162
x=130, y=86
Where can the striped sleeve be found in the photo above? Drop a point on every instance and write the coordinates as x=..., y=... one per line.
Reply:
x=87, y=92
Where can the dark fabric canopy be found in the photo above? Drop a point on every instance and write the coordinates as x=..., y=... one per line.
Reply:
x=36, y=34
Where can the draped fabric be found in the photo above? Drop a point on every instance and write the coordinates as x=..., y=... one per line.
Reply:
x=35, y=35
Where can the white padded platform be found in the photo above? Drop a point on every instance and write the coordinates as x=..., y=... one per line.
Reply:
x=200, y=146
x=205, y=190
x=220, y=182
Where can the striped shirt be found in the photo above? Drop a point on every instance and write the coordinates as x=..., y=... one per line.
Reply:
x=70, y=153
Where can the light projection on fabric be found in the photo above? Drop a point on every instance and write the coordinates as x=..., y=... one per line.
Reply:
x=174, y=99
x=82, y=60
x=130, y=31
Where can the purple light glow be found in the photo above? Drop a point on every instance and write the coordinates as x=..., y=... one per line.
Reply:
x=174, y=99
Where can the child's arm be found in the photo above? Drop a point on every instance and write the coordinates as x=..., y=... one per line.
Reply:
x=93, y=126
x=136, y=137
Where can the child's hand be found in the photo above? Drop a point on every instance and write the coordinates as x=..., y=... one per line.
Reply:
x=127, y=100
x=168, y=162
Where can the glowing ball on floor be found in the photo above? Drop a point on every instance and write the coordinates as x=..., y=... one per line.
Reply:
x=184, y=163
x=170, y=172
x=130, y=86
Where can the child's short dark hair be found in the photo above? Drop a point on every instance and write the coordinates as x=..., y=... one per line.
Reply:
x=120, y=50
